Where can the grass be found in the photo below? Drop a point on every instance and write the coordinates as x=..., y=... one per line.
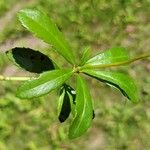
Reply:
x=119, y=124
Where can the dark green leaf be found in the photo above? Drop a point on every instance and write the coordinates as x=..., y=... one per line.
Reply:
x=64, y=106
x=67, y=97
x=121, y=81
x=30, y=60
x=113, y=55
x=43, y=27
x=85, y=56
x=71, y=91
x=72, y=94
x=46, y=82
x=84, y=110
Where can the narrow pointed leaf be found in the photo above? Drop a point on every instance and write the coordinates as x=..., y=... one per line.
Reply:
x=65, y=101
x=43, y=27
x=60, y=101
x=85, y=56
x=64, y=106
x=113, y=55
x=121, y=81
x=71, y=94
x=44, y=84
x=30, y=60
x=73, y=106
x=84, y=110
x=71, y=91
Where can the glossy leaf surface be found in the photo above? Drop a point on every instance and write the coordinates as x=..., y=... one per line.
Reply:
x=121, y=81
x=85, y=56
x=30, y=60
x=44, y=84
x=84, y=110
x=113, y=55
x=43, y=27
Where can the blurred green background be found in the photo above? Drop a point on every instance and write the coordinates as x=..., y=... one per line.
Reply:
x=100, y=24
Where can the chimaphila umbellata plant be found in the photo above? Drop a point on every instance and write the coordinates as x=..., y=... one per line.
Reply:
x=79, y=101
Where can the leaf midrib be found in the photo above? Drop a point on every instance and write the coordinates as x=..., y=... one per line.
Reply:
x=49, y=33
x=48, y=81
x=97, y=59
x=80, y=118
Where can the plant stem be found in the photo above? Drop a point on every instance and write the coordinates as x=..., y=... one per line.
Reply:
x=80, y=68
x=116, y=64
x=3, y=78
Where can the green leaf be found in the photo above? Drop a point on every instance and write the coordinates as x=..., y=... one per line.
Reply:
x=30, y=60
x=64, y=103
x=73, y=106
x=113, y=55
x=121, y=81
x=84, y=110
x=64, y=106
x=43, y=27
x=72, y=96
x=85, y=56
x=44, y=84
x=71, y=91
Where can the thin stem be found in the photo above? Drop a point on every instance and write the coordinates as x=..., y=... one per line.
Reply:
x=3, y=78
x=80, y=68
x=116, y=64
